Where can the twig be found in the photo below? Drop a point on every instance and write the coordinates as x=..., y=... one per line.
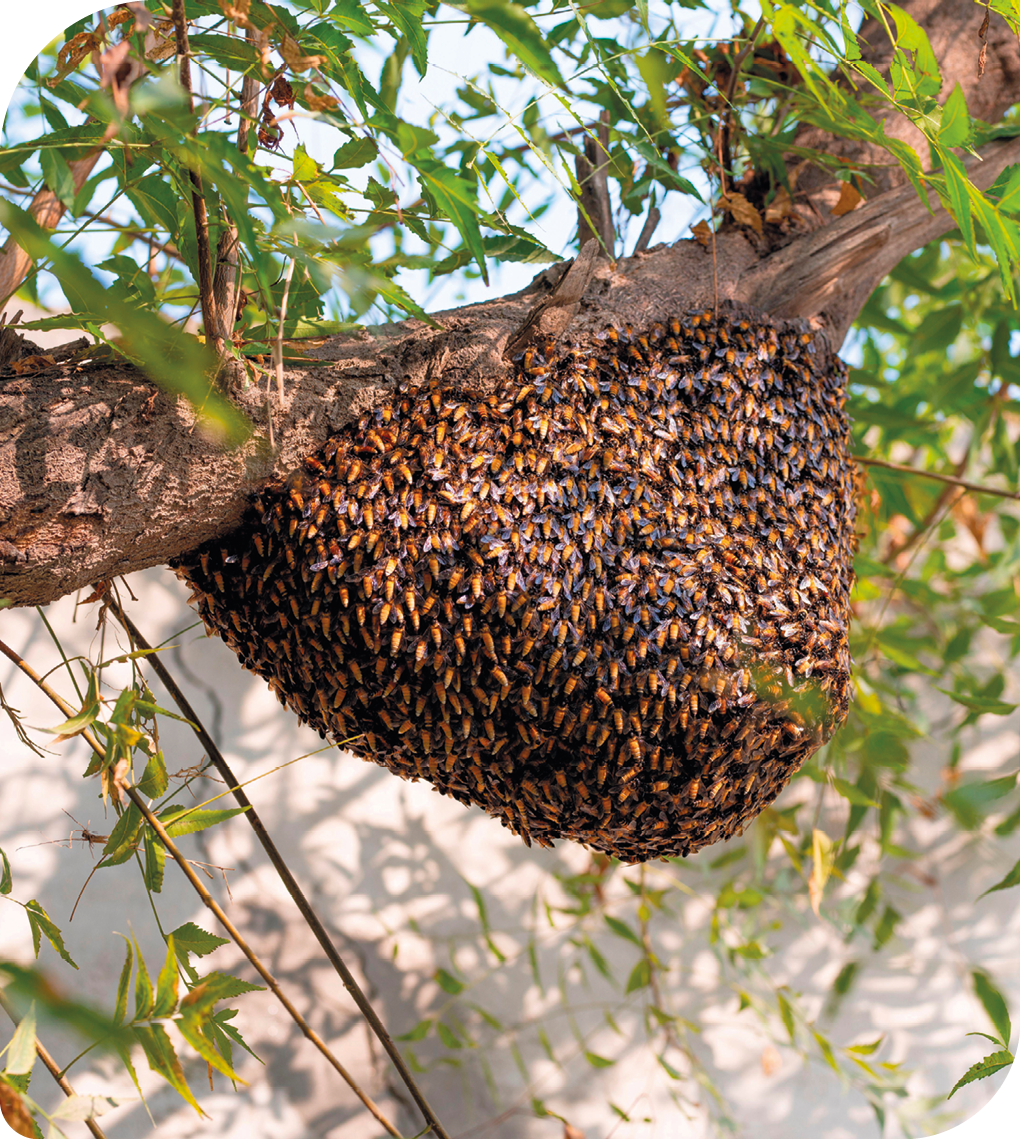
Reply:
x=205, y=275
x=951, y=480
x=595, y=211
x=645, y=236
x=51, y=1066
x=284, y=871
x=278, y=344
x=179, y=858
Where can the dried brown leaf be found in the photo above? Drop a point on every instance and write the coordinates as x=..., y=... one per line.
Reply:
x=572, y=1132
x=315, y=102
x=32, y=364
x=780, y=207
x=294, y=58
x=742, y=211
x=14, y=1111
x=72, y=53
x=702, y=233
x=849, y=200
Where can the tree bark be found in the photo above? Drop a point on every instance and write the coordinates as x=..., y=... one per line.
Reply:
x=102, y=473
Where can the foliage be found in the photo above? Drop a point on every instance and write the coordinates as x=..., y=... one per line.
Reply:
x=328, y=240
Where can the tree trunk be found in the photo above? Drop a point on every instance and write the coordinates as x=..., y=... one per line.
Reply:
x=101, y=473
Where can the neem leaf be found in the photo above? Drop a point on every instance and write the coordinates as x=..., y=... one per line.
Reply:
x=955, y=126
x=1011, y=879
x=187, y=820
x=194, y=939
x=991, y=1064
x=42, y=924
x=5, y=874
x=87, y=715
x=21, y=1050
x=994, y=1004
x=519, y=32
x=981, y=704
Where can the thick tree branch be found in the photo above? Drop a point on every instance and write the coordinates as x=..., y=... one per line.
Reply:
x=952, y=27
x=102, y=474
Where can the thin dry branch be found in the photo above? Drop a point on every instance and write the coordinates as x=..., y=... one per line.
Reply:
x=949, y=480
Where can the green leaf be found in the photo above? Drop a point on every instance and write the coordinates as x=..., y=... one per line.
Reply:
x=994, y=1004
x=1011, y=879
x=968, y=801
x=992, y=1063
x=598, y=1061
x=123, y=840
x=955, y=126
x=21, y=1050
x=6, y=882
x=519, y=32
x=57, y=174
x=155, y=860
x=621, y=929
x=640, y=976
x=120, y=1011
x=868, y=1049
x=90, y=707
x=980, y=704
x=187, y=820
x=357, y=152
x=166, y=984
x=191, y=938
x=886, y=925
x=448, y=982
x=143, y=988
x=786, y=1015
x=41, y=924
x=826, y=1050
x=852, y=793
x=163, y=1060
x=448, y=1036
x=407, y=15
x=154, y=780
x=217, y=987
x=419, y=1032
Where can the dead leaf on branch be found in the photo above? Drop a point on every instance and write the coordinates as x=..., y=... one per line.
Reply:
x=572, y=1132
x=780, y=208
x=294, y=58
x=702, y=233
x=14, y=1111
x=849, y=199
x=316, y=102
x=73, y=52
x=32, y=364
x=741, y=210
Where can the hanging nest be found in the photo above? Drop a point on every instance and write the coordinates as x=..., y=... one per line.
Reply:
x=608, y=603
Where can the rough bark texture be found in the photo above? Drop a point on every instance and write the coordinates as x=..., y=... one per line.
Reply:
x=101, y=473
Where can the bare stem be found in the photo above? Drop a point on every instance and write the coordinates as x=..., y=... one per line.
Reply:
x=284, y=871
x=209, y=901
x=205, y=275
x=950, y=480
x=51, y=1066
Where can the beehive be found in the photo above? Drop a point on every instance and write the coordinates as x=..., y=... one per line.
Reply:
x=609, y=603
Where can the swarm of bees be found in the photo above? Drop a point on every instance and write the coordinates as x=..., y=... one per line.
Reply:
x=608, y=604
